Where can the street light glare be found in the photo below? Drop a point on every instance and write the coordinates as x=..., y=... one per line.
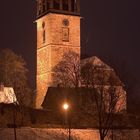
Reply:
x=66, y=106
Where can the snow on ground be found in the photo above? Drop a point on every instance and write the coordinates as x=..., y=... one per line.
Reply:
x=62, y=134
x=46, y=134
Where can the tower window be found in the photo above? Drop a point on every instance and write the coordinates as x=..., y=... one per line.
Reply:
x=56, y=4
x=44, y=36
x=65, y=5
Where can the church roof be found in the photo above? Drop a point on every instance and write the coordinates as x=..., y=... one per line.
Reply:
x=57, y=96
x=77, y=99
x=96, y=62
x=80, y=100
x=103, y=68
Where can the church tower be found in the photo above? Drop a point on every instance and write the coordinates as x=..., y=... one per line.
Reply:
x=58, y=31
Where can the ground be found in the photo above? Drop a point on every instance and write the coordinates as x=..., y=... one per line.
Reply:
x=62, y=134
x=45, y=134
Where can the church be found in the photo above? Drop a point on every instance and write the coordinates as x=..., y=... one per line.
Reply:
x=58, y=34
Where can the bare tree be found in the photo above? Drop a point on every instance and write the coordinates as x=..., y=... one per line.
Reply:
x=67, y=71
x=106, y=93
x=13, y=73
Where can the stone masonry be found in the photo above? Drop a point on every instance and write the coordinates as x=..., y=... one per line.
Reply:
x=51, y=47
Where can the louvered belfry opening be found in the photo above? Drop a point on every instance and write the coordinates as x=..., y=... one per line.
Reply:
x=58, y=6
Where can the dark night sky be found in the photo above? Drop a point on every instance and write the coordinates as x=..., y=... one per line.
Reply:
x=110, y=30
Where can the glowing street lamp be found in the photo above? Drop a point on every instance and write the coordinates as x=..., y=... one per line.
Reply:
x=65, y=106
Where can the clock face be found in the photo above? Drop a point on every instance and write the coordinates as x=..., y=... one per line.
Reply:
x=65, y=22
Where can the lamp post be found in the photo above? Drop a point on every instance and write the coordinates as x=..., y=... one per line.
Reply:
x=14, y=120
x=66, y=107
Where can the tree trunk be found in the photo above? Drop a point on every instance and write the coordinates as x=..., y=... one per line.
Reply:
x=101, y=137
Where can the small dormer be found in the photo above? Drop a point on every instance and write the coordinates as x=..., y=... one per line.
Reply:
x=70, y=7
